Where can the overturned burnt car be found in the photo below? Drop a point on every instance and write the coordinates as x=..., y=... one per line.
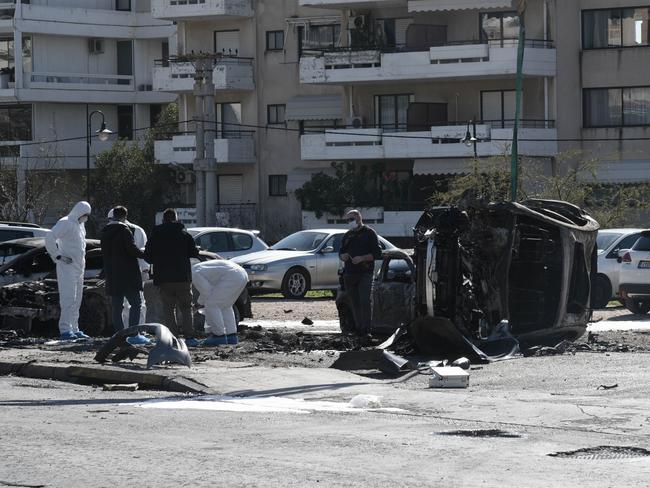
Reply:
x=29, y=297
x=483, y=271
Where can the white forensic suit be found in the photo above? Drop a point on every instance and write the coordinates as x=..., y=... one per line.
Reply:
x=219, y=282
x=140, y=238
x=68, y=240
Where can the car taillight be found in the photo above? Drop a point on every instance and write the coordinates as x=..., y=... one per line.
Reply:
x=627, y=258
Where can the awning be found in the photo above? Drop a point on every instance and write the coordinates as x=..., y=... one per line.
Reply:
x=441, y=166
x=315, y=107
x=435, y=5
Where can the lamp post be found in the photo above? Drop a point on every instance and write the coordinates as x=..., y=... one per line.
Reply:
x=514, y=161
x=470, y=138
x=102, y=134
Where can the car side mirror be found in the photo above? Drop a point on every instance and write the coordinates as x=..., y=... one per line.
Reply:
x=327, y=250
x=621, y=253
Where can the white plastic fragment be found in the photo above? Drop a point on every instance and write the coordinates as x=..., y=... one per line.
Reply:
x=365, y=401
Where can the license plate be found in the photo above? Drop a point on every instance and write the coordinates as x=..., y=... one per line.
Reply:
x=644, y=264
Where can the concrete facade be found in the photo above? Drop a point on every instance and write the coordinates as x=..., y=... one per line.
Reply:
x=70, y=58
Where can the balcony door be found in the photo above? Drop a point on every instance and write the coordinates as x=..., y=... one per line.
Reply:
x=391, y=112
x=498, y=107
x=124, y=60
x=229, y=120
x=226, y=42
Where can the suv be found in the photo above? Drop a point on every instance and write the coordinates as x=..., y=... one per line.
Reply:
x=19, y=230
x=634, y=289
x=609, y=242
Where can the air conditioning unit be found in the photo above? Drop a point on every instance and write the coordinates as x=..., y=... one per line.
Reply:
x=358, y=21
x=96, y=46
x=184, y=177
x=355, y=122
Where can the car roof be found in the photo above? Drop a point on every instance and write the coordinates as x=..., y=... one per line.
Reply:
x=218, y=229
x=40, y=241
x=23, y=225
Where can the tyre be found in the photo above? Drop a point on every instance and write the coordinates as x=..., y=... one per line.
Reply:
x=602, y=292
x=636, y=306
x=296, y=283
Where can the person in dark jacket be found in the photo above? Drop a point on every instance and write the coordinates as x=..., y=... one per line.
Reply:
x=121, y=268
x=359, y=250
x=169, y=250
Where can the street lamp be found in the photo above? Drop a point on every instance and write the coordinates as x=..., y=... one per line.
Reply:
x=470, y=138
x=102, y=134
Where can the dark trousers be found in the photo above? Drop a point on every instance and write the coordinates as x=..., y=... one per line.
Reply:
x=117, y=304
x=358, y=287
x=177, y=298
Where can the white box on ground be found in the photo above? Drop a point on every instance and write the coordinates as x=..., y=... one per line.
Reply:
x=449, y=377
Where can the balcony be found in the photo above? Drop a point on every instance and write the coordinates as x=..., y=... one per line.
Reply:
x=201, y=9
x=536, y=138
x=233, y=147
x=452, y=61
x=79, y=81
x=230, y=73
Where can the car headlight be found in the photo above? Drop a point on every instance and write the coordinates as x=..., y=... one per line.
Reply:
x=259, y=267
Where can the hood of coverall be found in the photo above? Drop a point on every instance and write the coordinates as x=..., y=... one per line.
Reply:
x=80, y=208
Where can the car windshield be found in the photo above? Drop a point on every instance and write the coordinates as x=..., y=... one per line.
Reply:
x=605, y=239
x=301, y=241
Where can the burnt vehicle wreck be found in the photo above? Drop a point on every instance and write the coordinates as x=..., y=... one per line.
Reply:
x=488, y=277
x=29, y=295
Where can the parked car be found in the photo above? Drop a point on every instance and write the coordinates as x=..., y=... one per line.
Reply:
x=306, y=260
x=19, y=230
x=29, y=290
x=609, y=242
x=227, y=242
x=634, y=288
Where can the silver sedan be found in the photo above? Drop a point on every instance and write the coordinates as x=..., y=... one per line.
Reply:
x=306, y=260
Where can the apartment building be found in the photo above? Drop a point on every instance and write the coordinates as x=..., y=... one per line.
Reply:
x=61, y=60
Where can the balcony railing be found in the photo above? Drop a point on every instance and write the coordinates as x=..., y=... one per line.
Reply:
x=426, y=126
x=81, y=81
x=228, y=73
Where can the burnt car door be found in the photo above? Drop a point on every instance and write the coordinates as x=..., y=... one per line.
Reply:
x=393, y=292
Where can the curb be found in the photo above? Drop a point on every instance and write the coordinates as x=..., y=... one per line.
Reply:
x=103, y=375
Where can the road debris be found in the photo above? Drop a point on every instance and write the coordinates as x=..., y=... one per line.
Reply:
x=118, y=387
x=307, y=321
x=449, y=377
x=607, y=387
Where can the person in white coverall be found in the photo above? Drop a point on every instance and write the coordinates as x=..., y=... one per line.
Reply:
x=219, y=282
x=66, y=245
x=140, y=237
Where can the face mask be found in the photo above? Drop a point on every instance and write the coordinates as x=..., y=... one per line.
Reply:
x=352, y=224
x=83, y=219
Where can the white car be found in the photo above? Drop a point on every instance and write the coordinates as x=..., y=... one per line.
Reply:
x=634, y=288
x=306, y=260
x=227, y=242
x=609, y=242
x=18, y=230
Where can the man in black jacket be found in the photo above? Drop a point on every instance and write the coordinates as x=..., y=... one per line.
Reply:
x=359, y=250
x=169, y=251
x=121, y=268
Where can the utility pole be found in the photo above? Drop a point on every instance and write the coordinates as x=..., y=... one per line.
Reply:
x=514, y=161
x=205, y=165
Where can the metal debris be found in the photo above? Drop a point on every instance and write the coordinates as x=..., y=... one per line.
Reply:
x=603, y=452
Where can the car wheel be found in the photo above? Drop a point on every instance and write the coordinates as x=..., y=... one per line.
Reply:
x=296, y=283
x=602, y=292
x=636, y=306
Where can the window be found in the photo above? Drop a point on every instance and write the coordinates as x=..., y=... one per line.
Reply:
x=125, y=122
x=274, y=40
x=499, y=26
x=241, y=242
x=16, y=123
x=391, y=112
x=616, y=27
x=229, y=120
x=124, y=5
x=335, y=242
x=318, y=37
x=10, y=235
x=625, y=243
x=277, y=185
x=214, y=242
x=616, y=107
x=155, y=111
x=643, y=244
x=275, y=114
x=7, y=58
x=498, y=107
